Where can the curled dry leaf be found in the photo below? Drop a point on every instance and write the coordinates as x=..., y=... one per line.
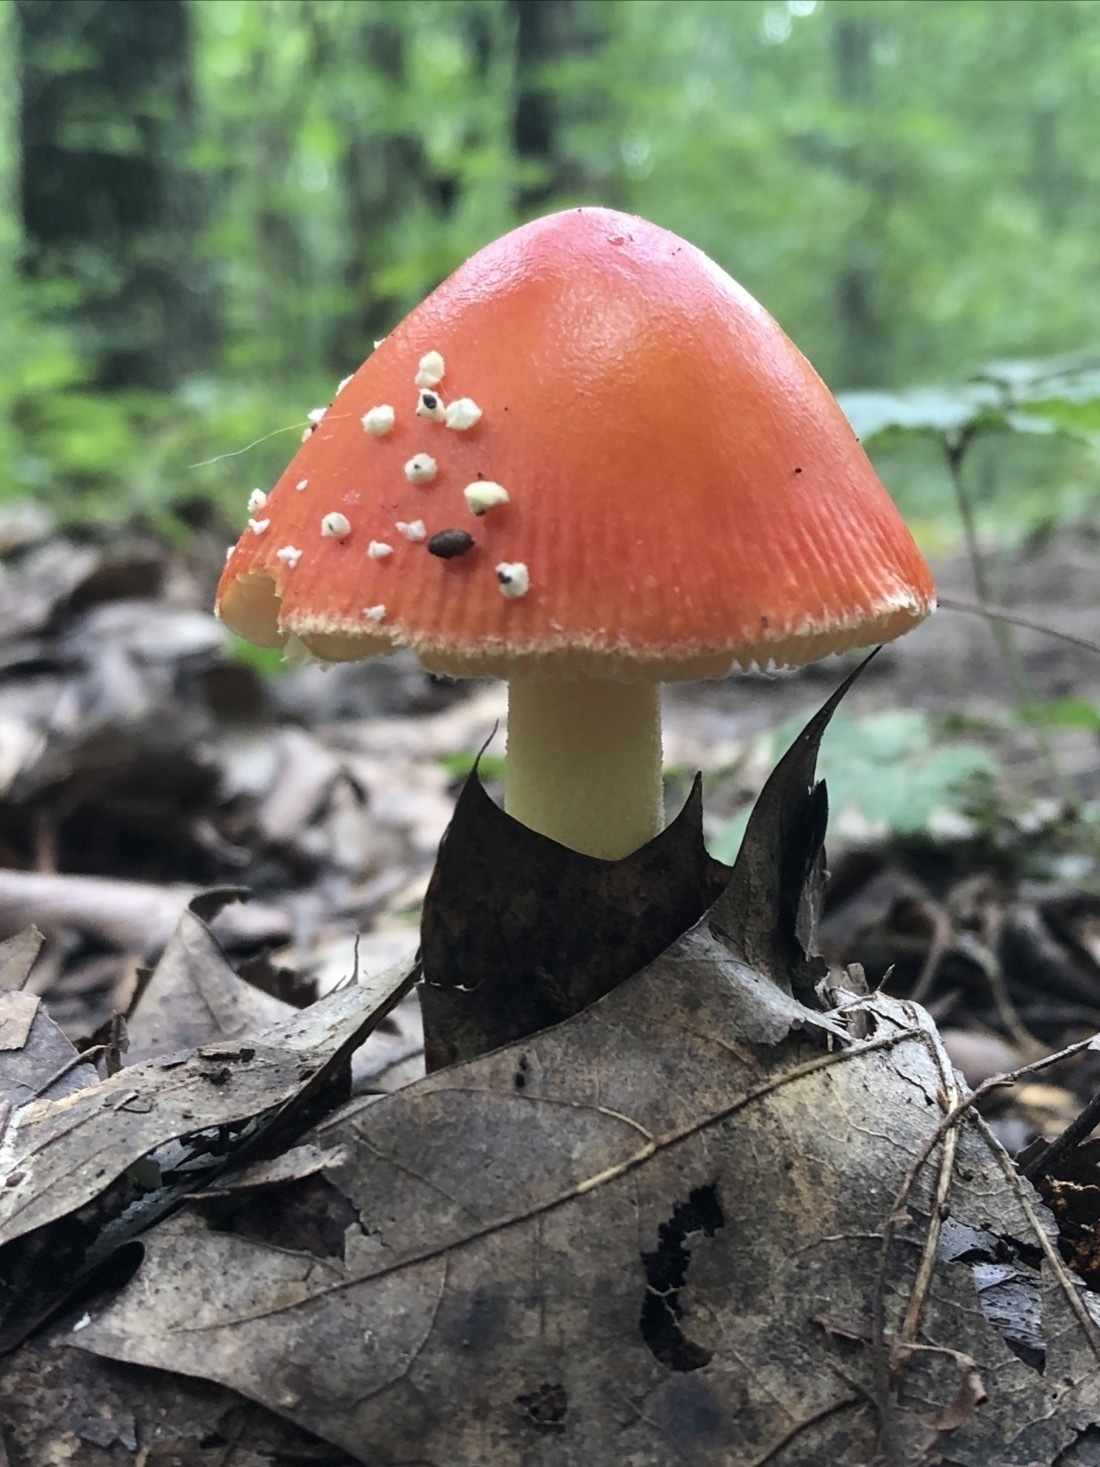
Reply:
x=971, y=1394
x=36, y=1059
x=123, y=1151
x=194, y=997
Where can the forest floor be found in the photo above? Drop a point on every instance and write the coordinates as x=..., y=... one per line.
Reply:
x=140, y=763
x=156, y=792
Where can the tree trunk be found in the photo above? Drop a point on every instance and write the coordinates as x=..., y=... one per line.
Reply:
x=10, y=297
x=547, y=31
x=861, y=324
x=110, y=210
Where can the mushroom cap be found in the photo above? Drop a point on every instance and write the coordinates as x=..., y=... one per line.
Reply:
x=684, y=494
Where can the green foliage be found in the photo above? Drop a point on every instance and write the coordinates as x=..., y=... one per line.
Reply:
x=460, y=765
x=1059, y=396
x=893, y=771
x=268, y=661
x=1061, y=713
x=988, y=422
x=909, y=188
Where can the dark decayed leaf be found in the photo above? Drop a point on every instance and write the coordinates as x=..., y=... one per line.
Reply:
x=1071, y=1188
x=519, y=932
x=55, y=1400
x=768, y=912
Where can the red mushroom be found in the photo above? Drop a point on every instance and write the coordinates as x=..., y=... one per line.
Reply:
x=589, y=463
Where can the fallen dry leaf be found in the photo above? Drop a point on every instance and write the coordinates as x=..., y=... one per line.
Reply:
x=122, y=1119
x=520, y=932
x=36, y=1059
x=18, y=955
x=611, y=1241
x=58, y=1405
x=85, y=1173
x=17, y=1013
x=194, y=998
x=624, y=1225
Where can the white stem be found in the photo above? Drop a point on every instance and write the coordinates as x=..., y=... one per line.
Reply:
x=584, y=763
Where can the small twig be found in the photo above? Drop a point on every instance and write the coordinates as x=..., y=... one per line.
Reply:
x=1021, y=1035
x=954, y=448
x=943, y=933
x=954, y=451
x=833, y=1408
x=85, y=1057
x=995, y=1082
x=1074, y=1133
x=1071, y=1293
x=1028, y=623
x=899, y=1213
x=918, y=1295
x=983, y=955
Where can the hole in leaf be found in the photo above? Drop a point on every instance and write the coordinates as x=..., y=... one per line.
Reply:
x=546, y=1407
x=666, y=1274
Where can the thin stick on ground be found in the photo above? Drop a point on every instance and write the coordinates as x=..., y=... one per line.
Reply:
x=955, y=449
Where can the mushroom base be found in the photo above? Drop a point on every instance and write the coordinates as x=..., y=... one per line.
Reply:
x=584, y=763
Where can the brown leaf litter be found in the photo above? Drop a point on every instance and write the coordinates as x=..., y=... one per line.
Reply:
x=627, y=1228
x=621, y=1234
x=724, y=1212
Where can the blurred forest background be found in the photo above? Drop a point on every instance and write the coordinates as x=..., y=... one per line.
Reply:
x=210, y=208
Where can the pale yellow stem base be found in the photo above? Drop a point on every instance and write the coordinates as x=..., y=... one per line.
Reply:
x=584, y=763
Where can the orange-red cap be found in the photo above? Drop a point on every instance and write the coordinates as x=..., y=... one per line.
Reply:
x=650, y=481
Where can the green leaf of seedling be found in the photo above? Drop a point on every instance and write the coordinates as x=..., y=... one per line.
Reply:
x=891, y=769
x=1062, y=713
x=1035, y=397
x=458, y=766
x=1038, y=425
x=266, y=660
x=1065, y=379
x=934, y=410
x=1079, y=419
